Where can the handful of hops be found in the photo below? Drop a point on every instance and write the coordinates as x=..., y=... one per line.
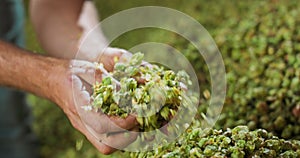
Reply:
x=149, y=92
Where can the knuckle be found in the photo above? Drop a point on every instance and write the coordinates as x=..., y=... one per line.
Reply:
x=75, y=124
x=106, y=150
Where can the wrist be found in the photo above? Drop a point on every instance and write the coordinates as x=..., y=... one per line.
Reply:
x=59, y=81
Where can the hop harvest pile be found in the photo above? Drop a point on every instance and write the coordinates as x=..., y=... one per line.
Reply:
x=149, y=92
x=235, y=143
x=263, y=57
x=261, y=53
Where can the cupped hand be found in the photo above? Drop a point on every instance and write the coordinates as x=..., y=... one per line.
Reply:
x=107, y=134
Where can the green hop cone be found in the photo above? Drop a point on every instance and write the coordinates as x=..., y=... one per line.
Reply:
x=154, y=101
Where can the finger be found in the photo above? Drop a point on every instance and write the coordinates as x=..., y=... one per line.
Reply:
x=102, y=123
x=76, y=83
x=125, y=57
x=126, y=123
x=79, y=89
x=102, y=147
x=81, y=96
x=81, y=70
x=111, y=141
x=85, y=70
x=124, y=139
x=76, y=122
x=145, y=63
x=112, y=50
x=97, y=141
x=88, y=77
x=82, y=102
x=81, y=64
x=84, y=98
x=110, y=56
x=87, y=86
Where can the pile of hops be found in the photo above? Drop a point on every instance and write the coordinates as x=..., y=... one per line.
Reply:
x=235, y=143
x=263, y=60
x=149, y=92
x=261, y=52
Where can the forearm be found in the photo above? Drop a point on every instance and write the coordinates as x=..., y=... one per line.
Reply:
x=55, y=22
x=30, y=72
x=61, y=32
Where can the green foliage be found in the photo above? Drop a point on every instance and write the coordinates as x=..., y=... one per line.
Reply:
x=262, y=56
x=236, y=142
x=259, y=41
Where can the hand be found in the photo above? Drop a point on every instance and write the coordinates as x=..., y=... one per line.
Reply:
x=102, y=131
x=110, y=56
x=93, y=45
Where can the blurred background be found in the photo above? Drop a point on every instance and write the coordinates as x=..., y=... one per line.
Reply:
x=260, y=44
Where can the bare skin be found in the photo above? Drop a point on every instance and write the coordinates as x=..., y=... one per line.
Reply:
x=60, y=25
x=52, y=78
x=55, y=23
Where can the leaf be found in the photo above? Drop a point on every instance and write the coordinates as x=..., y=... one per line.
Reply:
x=106, y=81
x=79, y=144
x=119, y=67
x=140, y=120
x=165, y=112
x=136, y=59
